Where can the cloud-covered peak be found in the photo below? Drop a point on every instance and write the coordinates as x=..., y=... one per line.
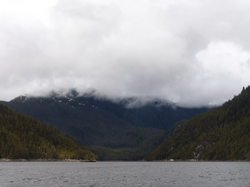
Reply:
x=191, y=53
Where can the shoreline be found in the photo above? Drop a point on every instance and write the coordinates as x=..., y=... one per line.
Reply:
x=89, y=160
x=45, y=160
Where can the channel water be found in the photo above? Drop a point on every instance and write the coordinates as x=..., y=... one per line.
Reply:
x=116, y=174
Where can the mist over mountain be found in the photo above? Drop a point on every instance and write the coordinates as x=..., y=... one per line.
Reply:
x=193, y=53
x=150, y=64
x=98, y=121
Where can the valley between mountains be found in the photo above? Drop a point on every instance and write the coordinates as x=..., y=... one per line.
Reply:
x=113, y=130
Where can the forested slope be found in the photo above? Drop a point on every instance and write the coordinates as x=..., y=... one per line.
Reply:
x=222, y=133
x=24, y=137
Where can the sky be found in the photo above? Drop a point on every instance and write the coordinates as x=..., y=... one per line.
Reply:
x=193, y=53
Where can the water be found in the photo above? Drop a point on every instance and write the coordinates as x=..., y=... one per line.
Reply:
x=116, y=174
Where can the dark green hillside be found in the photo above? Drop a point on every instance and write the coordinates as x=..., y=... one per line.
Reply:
x=24, y=137
x=222, y=133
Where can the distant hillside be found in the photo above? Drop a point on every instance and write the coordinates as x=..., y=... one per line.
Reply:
x=137, y=152
x=24, y=137
x=103, y=123
x=222, y=133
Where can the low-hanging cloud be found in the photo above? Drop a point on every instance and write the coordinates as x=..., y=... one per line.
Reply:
x=192, y=53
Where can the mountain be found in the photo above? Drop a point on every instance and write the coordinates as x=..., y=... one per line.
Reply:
x=222, y=133
x=27, y=138
x=111, y=129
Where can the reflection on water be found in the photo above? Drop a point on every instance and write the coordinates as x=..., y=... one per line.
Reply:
x=115, y=174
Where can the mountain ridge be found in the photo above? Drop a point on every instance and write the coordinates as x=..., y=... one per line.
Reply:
x=222, y=133
x=95, y=121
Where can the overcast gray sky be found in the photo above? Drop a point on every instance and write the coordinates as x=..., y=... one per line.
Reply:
x=191, y=52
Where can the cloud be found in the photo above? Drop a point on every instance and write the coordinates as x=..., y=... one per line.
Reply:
x=192, y=53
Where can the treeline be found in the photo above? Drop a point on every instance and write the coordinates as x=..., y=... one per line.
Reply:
x=222, y=133
x=25, y=137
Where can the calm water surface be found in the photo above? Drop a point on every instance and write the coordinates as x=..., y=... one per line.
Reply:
x=115, y=174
